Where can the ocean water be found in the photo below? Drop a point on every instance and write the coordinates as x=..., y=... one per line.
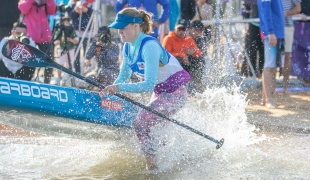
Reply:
x=70, y=149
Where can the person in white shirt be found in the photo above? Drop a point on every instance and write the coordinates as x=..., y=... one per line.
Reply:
x=9, y=68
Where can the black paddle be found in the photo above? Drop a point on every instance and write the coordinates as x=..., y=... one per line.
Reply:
x=30, y=56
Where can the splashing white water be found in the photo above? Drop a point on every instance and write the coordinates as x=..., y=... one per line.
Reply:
x=218, y=113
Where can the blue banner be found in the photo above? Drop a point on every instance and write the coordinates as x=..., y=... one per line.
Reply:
x=300, y=57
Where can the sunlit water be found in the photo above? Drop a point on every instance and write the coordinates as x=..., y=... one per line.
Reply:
x=72, y=149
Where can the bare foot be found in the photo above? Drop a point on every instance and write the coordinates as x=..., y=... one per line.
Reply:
x=151, y=162
x=263, y=102
x=271, y=105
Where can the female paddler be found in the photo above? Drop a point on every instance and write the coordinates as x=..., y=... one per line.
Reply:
x=158, y=71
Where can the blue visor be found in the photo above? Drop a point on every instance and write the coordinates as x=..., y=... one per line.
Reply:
x=122, y=20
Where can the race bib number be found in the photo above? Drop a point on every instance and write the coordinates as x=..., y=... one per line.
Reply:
x=113, y=105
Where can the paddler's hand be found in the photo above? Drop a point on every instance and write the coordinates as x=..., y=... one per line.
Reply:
x=111, y=90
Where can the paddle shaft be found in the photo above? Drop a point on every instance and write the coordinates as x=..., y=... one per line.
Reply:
x=134, y=102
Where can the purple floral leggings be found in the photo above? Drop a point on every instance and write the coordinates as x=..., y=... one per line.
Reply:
x=165, y=103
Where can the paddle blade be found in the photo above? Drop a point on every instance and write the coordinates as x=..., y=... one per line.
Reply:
x=25, y=54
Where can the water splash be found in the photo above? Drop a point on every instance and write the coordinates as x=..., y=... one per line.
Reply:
x=219, y=113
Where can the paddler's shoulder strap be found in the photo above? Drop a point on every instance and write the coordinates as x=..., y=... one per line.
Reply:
x=152, y=38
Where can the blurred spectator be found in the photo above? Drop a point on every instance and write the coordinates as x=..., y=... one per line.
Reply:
x=232, y=52
x=188, y=9
x=290, y=7
x=66, y=38
x=80, y=16
x=204, y=11
x=271, y=17
x=196, y=32
x=62, y=7
x=254, y=45
x=9, y=68
x=300, y=56
x=149, y=6
x=174, y=13
x=35, y=14
x=246, y=11
x=305, y=10
x=106, y=55
x=184, y=48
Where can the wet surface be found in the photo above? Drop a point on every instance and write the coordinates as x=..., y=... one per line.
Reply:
x=36, y=146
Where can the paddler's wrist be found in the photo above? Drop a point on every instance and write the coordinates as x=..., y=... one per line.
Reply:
x=117, y=88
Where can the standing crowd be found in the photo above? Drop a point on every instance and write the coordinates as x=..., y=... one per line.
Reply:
x=66, y=40
x=171, y=69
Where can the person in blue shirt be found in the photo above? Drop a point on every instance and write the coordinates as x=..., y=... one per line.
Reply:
x=159, y=72
x=271, y=17
x=149, y=6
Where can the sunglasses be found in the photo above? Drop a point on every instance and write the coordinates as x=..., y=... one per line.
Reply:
x=182, y=28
